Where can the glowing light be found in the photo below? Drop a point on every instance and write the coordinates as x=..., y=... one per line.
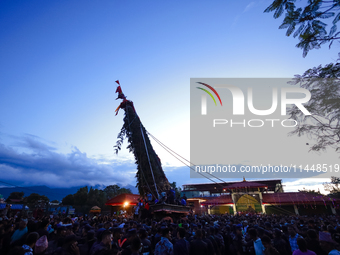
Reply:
x=126, y=204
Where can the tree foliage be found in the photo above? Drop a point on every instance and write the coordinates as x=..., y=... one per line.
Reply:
x=16, y=195
x=333, y=187
x=308, y=22
x=68, y=200
x=36, y=198
x=323, y=125
x=114, y=190
x=150, y=175
x=96, y=197
x=91, y=197
x=311, y=191
x=80, y=197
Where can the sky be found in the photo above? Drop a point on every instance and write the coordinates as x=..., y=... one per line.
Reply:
x=59, y=61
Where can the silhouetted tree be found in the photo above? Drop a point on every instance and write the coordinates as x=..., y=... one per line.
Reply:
x=68, y=200
x=333, y=187
x=15, y=195
x=35, y=198
x=323, y=125
x=307, y=22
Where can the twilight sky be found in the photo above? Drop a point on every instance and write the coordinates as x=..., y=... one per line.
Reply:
x=59, y=61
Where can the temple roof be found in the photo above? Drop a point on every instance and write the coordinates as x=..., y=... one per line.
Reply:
x=224, y=199
x=276, y=199
x=131, y=199
x=222, y=186
x=295, y=198
x=246, y=184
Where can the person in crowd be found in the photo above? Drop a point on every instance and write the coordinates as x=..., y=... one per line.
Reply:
x=270, y=250
x=313, y=243
x=164, y=246
x=293, y=236
x=258, y=246
x=238, y=243
x=19, y=233
x=6, y=241
x=182, y=246
x=104, y=245
x=69, y=247
x=135, y=246
x=31, y=239
x=211, y=250
x=303, y=248
x=328, y=244
x=117, y=235
x=279, y=243
x=42, y=231
x=146, y=243
x=198, y=246
x=41, y=245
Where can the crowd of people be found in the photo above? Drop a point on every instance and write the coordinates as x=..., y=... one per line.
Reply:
x=245, y=234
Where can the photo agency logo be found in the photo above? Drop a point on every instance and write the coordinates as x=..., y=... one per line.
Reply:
x=250, y=126
x=278, y=100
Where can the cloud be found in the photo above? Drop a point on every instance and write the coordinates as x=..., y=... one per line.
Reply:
x=307, y=183
x=249, y=6
x=34, y=162
x=246, y=9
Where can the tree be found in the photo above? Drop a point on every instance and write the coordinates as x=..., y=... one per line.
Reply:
x=124, y=190
x=80, y=197
x=36, y=198
x=68, y=200
x=96, y=197
x=150, y=175
x=311, y=191
x=114, y=190
x=307, y=22
x=333, y=187
x=323, y=81
x=15, y=195
x=323, y=125
x=111, y=191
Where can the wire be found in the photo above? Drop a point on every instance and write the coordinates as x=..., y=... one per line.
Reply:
x=173, y=152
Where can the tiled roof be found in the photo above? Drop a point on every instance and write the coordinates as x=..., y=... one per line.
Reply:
x=246, y=184
x=224, y=199
x=295, y=198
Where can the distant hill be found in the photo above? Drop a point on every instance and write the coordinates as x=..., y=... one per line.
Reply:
x=53, y=193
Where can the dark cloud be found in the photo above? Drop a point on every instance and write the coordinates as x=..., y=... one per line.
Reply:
x=33, y=162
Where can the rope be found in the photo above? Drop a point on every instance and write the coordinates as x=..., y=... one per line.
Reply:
x=173, y=152
x=166, y=148
x=145, y=179
x=147, y=153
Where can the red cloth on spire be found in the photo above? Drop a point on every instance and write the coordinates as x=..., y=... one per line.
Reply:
x=119, y=90
x=117, y=82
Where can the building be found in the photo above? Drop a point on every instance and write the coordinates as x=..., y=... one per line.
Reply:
x=261, y=196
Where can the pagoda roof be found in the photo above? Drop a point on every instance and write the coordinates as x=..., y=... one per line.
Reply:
x=131, y=199
x=221, y=186
x=295, y=198
x=275, y=198
x=224, y=199
x=246, y=184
